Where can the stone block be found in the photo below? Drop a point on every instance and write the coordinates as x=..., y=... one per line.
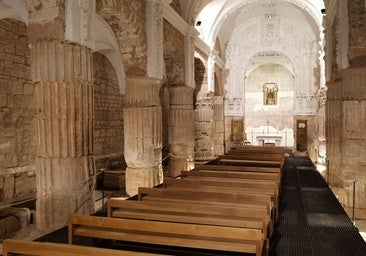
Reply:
x=27, y=88
x=17, y=87
x=5, y=86
x=10, y=48
x=3, y=100
x=8, y=188
x=25, y=184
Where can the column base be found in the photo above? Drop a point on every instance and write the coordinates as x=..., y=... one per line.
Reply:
x=142, y=177
x=180, y=163
x=53, y=210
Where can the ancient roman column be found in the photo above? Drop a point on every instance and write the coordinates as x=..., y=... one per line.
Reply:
x=219, y=135
x=181, y=130
x=204, y=129
x=143, y=133
x=62, y=73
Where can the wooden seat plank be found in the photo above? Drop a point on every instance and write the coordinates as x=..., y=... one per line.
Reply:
x=20, y=247
x=165, y=233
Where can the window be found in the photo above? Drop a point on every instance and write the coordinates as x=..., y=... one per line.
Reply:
x=270, y=94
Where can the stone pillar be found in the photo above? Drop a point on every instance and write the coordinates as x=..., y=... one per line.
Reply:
x=204, y=142
x=143, y=133
x=181, y=130
x=62, y=74
x=219, y=124
x=154, y=36
x=346, y=137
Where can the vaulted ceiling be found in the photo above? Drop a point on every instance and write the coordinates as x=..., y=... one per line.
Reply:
x=221, y=18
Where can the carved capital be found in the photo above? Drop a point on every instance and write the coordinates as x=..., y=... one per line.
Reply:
x=181, y=95
x=142, y=91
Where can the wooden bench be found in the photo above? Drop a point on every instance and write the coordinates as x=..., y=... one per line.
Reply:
x=254, y=156
x=167, y=233
x=238, y=168
x=246, y=162
x=13, y=247
x=249, y=200
x=192, y=213
x=220, y=183
x=232, y=174
x=267, y=149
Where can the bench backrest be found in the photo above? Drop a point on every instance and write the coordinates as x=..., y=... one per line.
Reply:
x=237, y=168
x=31, y=248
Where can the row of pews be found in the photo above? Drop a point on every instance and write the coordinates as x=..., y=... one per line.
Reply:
x=230, y=207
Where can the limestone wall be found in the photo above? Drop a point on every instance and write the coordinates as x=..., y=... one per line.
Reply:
x=108, y=109
x=127, y=20
x=17, y=113
x=173, y=55
x=357, y=32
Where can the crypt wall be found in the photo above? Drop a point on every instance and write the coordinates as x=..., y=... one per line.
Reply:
x=108, y=112
x=17, y=113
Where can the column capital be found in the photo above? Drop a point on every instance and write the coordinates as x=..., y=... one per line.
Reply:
x=181, y=95
x=142, y=92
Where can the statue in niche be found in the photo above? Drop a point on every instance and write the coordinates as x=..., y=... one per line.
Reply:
x=270, y=94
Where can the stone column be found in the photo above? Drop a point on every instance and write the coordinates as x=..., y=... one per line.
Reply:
x=62, y=74
x=143, y=133
x=346, y=138
x=204, y=114
x=219, y=130
x=154, y=37
x=181, y=130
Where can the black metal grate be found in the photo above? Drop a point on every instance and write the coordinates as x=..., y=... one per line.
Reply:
x=311, y=220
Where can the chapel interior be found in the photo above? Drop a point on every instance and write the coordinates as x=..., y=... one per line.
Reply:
x=121, y=94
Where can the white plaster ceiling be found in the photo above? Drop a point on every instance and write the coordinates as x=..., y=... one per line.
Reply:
x=13, y=9
x=220, y=18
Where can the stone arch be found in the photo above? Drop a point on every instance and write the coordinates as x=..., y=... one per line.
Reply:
x=14, y=9
x=85, y=26
x=128, y=25
x=108, y=138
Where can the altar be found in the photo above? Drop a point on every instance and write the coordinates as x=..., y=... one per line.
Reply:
x=269, y=139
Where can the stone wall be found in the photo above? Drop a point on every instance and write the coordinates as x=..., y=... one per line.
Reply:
x=17, y=113
x=108, y=108
x=357, y=32
x=127, y=20
x=263, y=119
x=173, y=55
x=176, y=6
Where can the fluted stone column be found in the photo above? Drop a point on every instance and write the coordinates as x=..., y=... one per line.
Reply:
x=62, y=74
x=181, y=130
x=219, y=130
x=346, y=122
x=204, y=129
x=143, y=133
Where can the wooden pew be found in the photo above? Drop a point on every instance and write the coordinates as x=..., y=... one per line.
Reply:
x=267, y=149
x=167, y=233
x=13, y=247
x=254, y=200
x=190, y=213
x=238, y=168
x=253, y=156
x=220, y=183
x=232, y=174
x=246, y=162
